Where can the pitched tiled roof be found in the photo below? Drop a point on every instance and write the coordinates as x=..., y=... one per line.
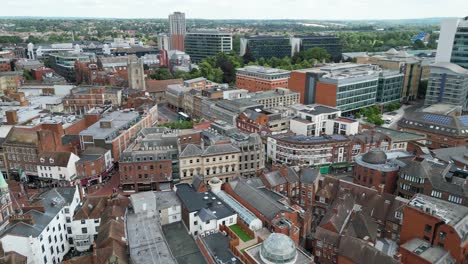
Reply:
x=112, y=231
x=358, y=251
x=54, y=158
x=91, y=209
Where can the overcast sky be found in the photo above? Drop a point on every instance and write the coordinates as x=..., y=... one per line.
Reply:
x=242, y=9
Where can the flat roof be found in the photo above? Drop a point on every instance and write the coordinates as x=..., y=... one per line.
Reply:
x=182, y=245
x=263, y=70
x=119, y=119
x=424, y=250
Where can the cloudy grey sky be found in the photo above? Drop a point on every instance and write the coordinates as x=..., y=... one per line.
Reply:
x=243, y=9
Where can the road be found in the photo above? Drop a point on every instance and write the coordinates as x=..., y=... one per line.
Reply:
x=166, y=114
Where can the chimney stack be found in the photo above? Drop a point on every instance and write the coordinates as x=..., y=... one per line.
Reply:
x=11, y=117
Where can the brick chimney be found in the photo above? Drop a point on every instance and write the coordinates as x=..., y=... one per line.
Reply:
x=283, y=170
x=27, y=219
x=11, y=117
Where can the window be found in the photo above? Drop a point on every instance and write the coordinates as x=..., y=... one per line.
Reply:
x=96, y=220
x=442, y=236
x=195, y=223
x=70, y=240
x=427, y=228
x=83, y=222
x=69, y=231
x=50, y=239
x=68, y=219
x=43, y=248
x=97, y=229
x=51, y=250
x=84, y=230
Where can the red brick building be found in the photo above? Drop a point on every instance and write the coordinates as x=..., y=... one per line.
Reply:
x=257, y=78
x=5, y=65
x=376, y=170
x=442, y=131
x=434, y=230
x=272, y=209
x=93, y=165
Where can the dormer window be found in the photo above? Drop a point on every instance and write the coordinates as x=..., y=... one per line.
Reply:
x=51, y=160
x=42, y=160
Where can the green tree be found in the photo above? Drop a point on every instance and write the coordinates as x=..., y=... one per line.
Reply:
x=161, y=74
x=418, y=44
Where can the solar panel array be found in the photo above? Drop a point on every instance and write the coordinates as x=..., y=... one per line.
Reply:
x=464, y=120
x=445, y=120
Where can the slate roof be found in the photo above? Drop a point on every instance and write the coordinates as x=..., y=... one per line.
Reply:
x=327, y=236
x=53, y=201
x=358, y=251
x=259, y=200
x=220, y=149
x=399, y=136
x=361, y=226
x=308, y=175
x=452, y=154
x=206, y=215
x=436, y=123
x=190, y=150
x=195, y=202
x=274, y=178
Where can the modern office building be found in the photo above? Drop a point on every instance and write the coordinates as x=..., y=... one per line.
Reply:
x=258, y=78
x=345, y=86
x=452, y=46
x=256, y=47
x=327, y=42
x=448, y=84
x=64, y=63
x=202, y=44
x=177, y=30
x=409, y=65
x=390, y=86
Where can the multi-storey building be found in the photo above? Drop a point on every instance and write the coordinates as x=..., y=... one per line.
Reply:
x=177, y=30
x=346, y=86
x=378, y=169
x=442, y=131
x=385, y=139
x=447, y=84
x=408, y=65
x=115, y=131
x=203, y=212
x=147, y=164
x=258, y=78
x=253, y=121
x=252, y=150
x=41, y=233
x=93, y=165
x=6, y=205
x=329, y=43
x=10, y=81
x=256, y=47
x=433, y=231
x=452, y=44
x=227, y=110
x=341, y=208
x=272, y=209
x=432, y=178
x=274, y=98
x=316, y=120
x=64, y=63
x=84, y=98
x=390, y=86
x=308, y=151
x=221, y=160
x=57, y=167
x=5, y=65
x=202, y=44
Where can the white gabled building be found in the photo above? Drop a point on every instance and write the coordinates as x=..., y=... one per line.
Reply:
x=58, y=166
x=203, y=212
x=41, y=234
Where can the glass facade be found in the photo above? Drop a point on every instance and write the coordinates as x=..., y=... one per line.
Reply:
x=447, y=87
x=354, y=96
x=389, y=89
x=460, y=47
x=202, y=45
x=268, y=47
x=330, y=43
